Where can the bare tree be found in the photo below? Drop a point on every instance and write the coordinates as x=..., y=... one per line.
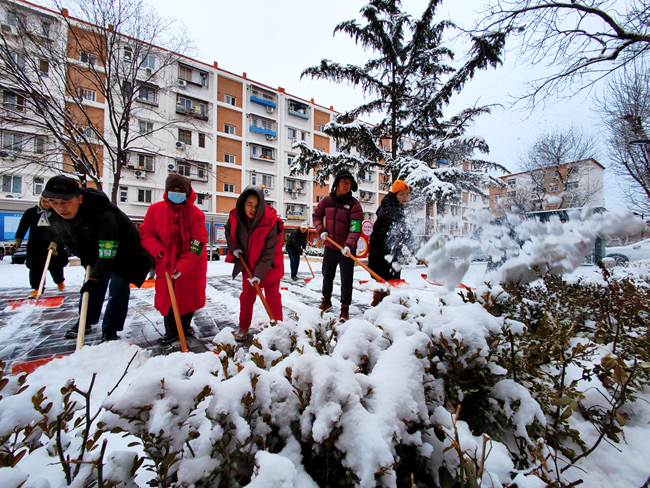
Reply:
x=625, y=109
x=88, y=93
x=580, y=41
x=556, y=171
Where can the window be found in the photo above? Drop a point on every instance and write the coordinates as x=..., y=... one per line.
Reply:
x=474, y=197
x=555, y=188
x=15, y=19
x=87, y=58
x=145, y=127
x=384, y=147
x=87, y=94
x=229, y=187
x=39, y=183
x=127, y=54
x=12, y=184
x=201, y=199
x=43, y=67
x=572, y=185
x=260, y=179
x=39, y=145
x=148, y=61
x=147, y=94
x=185, y=136
x=12, y=141
x=144, y=196
x=145, y=161
x=229, y=129
x=193, y=75
x=203, y=78
x=201, y=139
x=13, y=101
x=365, y=175
x=261, y=152
x=229, y=99
x=183, y=104
x=124, y=194
x=292, y=133
x=229, y=158
x=321, y=128
x=319, y=198
x=183, y=169
x=512, y=181
x=201, y=171
x=127, y=90
x=290, y=159
x=19, y=59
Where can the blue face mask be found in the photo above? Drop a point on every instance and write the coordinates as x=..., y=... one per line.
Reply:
x=176, y=197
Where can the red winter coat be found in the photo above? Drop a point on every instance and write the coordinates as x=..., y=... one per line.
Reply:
x=259, y=240
x=179, y=231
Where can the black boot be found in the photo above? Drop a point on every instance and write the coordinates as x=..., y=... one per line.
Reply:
x=74, y=331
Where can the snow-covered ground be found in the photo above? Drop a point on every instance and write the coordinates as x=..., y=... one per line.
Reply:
x=362, y=388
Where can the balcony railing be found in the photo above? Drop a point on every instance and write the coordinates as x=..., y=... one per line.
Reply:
x=302, y=113
x=295, y=216
x=259, y=130
x=196, y=113
x=263, y=101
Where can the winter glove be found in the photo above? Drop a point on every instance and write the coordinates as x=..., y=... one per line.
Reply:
x=176, y=274
x=53, y=246
x=236, y=252
x=89, y=286
x=16, y=244
x=345, y=251
x=324, y=236
x=252, y=281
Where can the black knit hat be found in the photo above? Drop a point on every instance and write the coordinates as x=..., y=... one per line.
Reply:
x=61, y=187
x=344, y=173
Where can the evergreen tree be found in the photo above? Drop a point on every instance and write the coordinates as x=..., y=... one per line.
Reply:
x=410, y=82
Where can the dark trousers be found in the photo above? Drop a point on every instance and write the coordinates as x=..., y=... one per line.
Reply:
x=116, y=307
x=170, y=322
x=35, y=275
x=294, y=262
x=331, y=259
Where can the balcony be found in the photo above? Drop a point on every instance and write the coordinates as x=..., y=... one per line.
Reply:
x=263, y=98
x=192, y=108
x=298, y=110
x=266, y=132
x=296, y=216
x=262, y=153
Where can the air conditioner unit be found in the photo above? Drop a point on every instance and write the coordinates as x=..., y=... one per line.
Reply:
x=171, y=167
x=270, y=109
x=180, y=145
x=182, y=83
x=140, y=174
x=267, y=192
x=149, y=71
x=269, y=137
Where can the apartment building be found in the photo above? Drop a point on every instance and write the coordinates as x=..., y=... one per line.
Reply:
x=569, y=185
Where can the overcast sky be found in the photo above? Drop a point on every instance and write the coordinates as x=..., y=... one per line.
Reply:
x=274, y=41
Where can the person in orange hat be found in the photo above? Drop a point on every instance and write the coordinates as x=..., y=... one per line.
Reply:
x=389, y=233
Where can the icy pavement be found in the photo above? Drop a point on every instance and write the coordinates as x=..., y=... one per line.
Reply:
x=29, y=332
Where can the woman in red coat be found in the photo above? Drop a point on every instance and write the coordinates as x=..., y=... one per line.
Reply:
x=254, y=232
x=174, y=233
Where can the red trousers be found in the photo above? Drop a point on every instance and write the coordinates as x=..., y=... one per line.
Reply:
x=247, y=300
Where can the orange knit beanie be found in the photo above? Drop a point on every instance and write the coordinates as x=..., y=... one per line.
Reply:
x=399, y=185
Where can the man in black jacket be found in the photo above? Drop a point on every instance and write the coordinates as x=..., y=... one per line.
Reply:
x=105, y=239
x=36, y=220
x=296, y=245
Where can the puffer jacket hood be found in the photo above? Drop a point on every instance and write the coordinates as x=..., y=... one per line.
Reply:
x=241, y=213
x=344, y=173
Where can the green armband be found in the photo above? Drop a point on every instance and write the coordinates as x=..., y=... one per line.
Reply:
x=108, y=249
x=355, y=226
x=196, y=247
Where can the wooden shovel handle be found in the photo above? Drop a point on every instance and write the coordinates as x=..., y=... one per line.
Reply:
x=258, y=290
x=83, y=313
x=47, y=265
x=177, y=315
x=308, y=264
x=353, y=257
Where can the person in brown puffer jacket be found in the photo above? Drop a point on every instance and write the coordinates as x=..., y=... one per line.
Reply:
x=343, y=215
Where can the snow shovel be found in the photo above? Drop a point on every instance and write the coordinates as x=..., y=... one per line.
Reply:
x=83, y=314
x=307, y=280
x=393, y=283
x=177, y=316
x=38, y=302
x=259, y=291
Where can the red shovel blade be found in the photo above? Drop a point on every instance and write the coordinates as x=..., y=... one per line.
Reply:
x=397, y=283
x=146, y=284
x=30, y=366
x=51, y=302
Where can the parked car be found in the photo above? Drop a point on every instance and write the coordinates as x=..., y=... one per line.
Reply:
x=632, y=252
x=19, y=255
